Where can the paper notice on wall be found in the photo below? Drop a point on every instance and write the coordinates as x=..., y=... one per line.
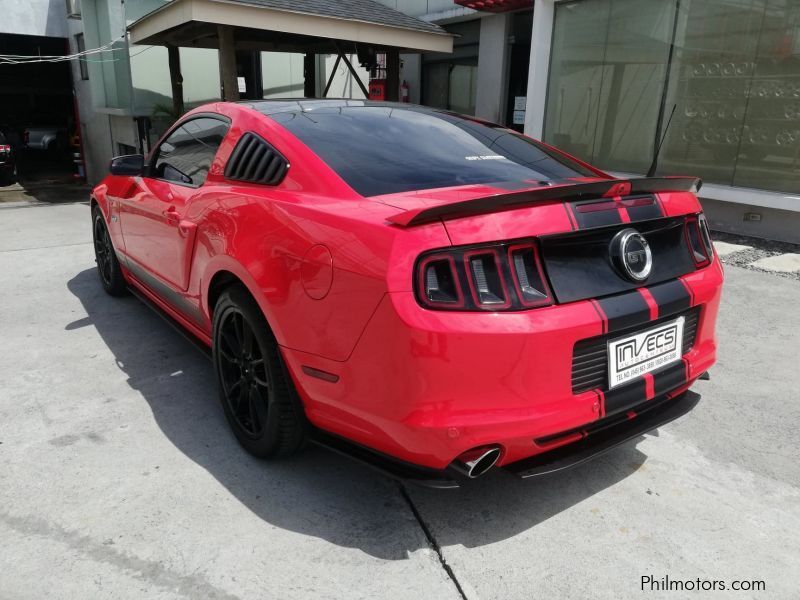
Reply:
x=520, y=102
x=519, y=117
x=242, y=85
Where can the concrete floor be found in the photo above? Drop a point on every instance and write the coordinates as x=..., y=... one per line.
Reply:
x=119, y=477
x=26, y=193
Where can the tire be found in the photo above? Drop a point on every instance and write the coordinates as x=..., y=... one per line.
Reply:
x=257, y=394
x=106, y=257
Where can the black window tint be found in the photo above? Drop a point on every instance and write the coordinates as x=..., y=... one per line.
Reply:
x=383, y=149
x=186, y=155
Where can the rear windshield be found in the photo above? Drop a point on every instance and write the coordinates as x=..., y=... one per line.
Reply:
x=385, y=149
x=2, y=138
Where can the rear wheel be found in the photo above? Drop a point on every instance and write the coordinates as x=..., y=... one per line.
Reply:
x=256, y=391
x=106, y=258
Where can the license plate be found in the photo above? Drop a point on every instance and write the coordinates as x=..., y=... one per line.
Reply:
x=633, y=356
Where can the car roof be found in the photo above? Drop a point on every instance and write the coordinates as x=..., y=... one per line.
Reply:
x=283, y=105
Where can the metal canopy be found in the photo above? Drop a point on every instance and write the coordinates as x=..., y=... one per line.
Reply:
x=304, y=26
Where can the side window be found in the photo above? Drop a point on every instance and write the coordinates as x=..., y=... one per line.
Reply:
x=186, y=155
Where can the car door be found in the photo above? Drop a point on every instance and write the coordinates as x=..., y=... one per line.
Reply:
x=158, y=237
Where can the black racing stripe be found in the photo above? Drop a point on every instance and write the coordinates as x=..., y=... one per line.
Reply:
x=599, y=311
x=600, y=218
x=667, y=379
x=625, y=310
x=672, y=297
x=644, y=213
x=626, y=396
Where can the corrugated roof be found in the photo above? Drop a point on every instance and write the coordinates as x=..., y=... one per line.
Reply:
x=358, y=10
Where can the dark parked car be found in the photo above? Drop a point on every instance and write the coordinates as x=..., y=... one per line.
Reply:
x=8, y=166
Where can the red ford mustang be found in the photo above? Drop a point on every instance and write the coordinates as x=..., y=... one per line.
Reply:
x=427, y=292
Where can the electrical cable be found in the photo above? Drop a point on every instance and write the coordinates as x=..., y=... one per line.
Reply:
x=16, y=59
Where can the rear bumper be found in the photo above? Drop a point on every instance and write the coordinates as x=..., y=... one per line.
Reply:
x=606, y=434
x=423, y=386
x=597, y=439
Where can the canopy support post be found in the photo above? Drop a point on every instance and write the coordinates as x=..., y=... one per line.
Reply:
x=176, y=80
x=310, y=75
x=393, y=75
x=227, y=63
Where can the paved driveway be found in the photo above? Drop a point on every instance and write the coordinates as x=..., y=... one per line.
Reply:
x=119, y=477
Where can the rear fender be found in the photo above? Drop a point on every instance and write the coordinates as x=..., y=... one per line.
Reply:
x=224, y=263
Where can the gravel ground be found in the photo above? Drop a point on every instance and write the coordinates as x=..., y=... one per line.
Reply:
x=759, y=249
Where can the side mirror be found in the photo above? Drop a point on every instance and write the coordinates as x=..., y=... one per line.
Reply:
x=131, y=165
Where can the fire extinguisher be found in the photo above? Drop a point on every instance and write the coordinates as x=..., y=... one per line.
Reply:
x=404, y=92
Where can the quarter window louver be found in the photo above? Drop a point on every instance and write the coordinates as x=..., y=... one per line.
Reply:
x=254, y=160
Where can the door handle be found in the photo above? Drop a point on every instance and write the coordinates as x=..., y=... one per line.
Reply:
x=171, y=215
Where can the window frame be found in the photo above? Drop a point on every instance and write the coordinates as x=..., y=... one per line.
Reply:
x=80, y=46
x=74, y=10
x=151, y=162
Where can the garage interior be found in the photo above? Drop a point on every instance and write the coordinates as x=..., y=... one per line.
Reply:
x=36, y=97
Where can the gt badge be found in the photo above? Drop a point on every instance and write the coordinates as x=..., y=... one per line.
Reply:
x=630, y=254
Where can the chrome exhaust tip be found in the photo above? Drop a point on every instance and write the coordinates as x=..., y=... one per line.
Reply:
x=474, y=463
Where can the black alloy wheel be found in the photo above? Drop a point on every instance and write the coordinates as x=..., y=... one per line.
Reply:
x=107, y=264
x=243, y=374
x=257, y=394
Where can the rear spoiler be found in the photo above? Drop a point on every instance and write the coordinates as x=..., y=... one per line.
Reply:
x=570, y=191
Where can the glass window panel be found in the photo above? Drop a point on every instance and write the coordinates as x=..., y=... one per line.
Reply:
x=463, y=88
x=186, y=155
x=577, y=71
x=606, y=79
x=435, y=84
x=386, y=150
x=711, y=76
x=769, y=153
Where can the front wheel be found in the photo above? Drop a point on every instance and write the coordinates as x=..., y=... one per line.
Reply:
x=106, y=258
x=256, y=391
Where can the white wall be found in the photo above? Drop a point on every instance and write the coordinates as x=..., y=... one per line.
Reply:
x=123, y=131
x=282, y=75
x=411, y=73
x=150, y=77
x=95, y=129
x=34, y=17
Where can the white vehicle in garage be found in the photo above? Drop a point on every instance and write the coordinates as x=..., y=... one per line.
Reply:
x=45, y=138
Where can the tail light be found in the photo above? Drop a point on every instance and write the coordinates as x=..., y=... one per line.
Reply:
x=5, y=148
x=698, y=240
x=438, y=282
x=491, y=278
x=485, y=276
x=705, y=234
